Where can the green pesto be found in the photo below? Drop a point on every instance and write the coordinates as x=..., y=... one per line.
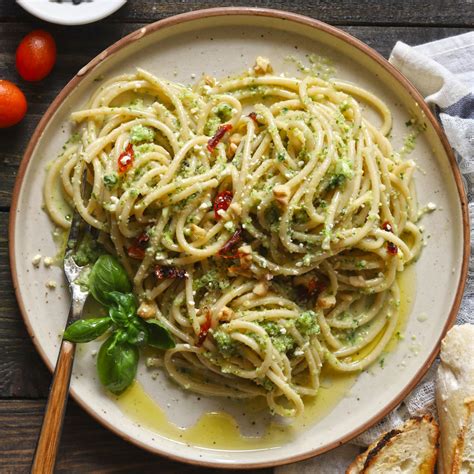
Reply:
x=83, y=279
x=266, y=383
x=168, y=237
x=307, y=323
x=223, y=111
x=344, y=106
x=141, y=133
x=282, y=341
x=110, y=180
x=212, y=125
x=87, y=251
x=341, y=173
x=225, y=344
x=143, y=148
x=212, y=280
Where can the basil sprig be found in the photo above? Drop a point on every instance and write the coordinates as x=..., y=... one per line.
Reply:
x=118, y=356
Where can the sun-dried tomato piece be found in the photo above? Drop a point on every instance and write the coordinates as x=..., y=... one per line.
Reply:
x=218, y=136
x=163, y=273
x=253, y=116
x=316, y=287
x=125, y=160
x=222, y=202
x=142, y=240
x=312, y=289
x=228, y=250
x=136, y=252
x=205, y=326
x=392, y=249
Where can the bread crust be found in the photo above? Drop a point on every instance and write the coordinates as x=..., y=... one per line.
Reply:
x=372, y=459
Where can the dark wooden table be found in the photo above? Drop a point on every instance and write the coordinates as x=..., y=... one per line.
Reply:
x=86, y=446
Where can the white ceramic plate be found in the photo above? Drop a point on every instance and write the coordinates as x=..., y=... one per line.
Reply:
x=219, y=42
x=66, y=13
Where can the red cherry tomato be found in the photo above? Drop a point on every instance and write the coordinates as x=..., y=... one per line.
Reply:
x=12, y=104
x=36, y=55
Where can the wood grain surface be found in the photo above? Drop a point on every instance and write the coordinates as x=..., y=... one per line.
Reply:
x=86, y=446
x=44, y=459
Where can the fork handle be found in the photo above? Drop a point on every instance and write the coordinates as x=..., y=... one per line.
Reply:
x=48, y=443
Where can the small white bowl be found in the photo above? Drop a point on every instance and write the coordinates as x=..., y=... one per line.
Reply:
x=66, y=13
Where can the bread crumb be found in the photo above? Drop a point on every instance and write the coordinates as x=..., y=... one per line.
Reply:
x=36, y=260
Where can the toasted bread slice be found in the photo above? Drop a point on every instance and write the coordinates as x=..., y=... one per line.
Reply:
x=410, y=449
x=455, y=401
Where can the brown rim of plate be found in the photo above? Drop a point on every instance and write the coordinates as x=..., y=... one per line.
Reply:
x=195, y=15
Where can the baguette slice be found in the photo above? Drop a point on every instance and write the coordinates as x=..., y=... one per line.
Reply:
x=455, y=401
x=410, y=449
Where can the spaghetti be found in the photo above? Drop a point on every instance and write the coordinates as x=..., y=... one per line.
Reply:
x=262, y=218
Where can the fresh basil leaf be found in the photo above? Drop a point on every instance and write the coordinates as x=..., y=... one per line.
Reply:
x=126, y=303
x=85, y=330
x=108, y=275
x=137, y=332
x=118, y=316
x=158, y=335
x=117, y=363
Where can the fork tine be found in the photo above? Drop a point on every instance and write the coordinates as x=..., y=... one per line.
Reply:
x=78, y=226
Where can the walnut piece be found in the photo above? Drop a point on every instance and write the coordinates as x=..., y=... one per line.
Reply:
x=197, y=231
x=245, y=255
x=235, y=138
x=231, y=149
x=326, y=301
x=147, y=309
x=281, y=193
x=235, y=208
x=225, y=314
x=262, y=65
x=261, y=288
x=235, y=270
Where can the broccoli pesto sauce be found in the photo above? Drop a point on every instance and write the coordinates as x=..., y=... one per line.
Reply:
x=220, y=430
